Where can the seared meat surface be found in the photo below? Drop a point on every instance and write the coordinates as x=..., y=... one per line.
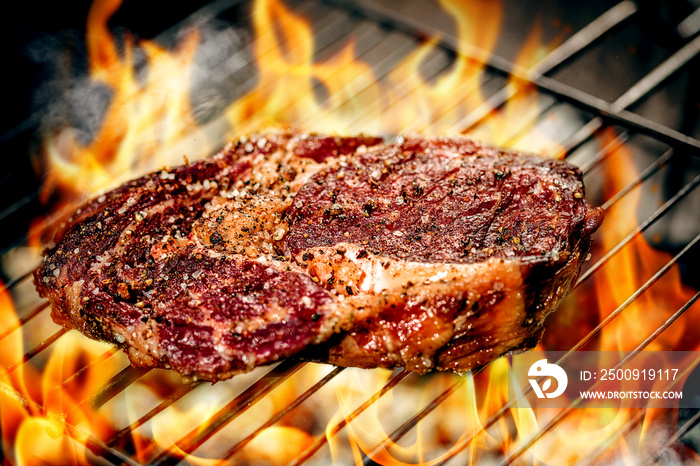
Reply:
x=429, y=254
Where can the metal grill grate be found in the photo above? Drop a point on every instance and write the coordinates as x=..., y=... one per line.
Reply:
x=372, y=26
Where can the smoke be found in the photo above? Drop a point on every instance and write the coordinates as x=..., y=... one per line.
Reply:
x=66, y=97
x=223, y=69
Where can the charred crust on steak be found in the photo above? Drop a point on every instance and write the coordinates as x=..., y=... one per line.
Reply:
x=474, y=202
x=430, y=253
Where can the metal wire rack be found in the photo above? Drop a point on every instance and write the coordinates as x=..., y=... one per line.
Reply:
x=372, y=26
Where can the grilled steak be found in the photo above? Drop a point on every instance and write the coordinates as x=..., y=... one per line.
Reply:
x=426, y=253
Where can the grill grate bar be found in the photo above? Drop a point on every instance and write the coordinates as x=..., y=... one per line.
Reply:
x=643, y=176
x=480, y=114
x=665, y=325
x=37, y=349
x=659, y=75
x=566, y=411
x=680, y=195
x=622, y=117
x=115, y=386
x=643, y=87
x=525, y=126
x=99, y=448
x=257, y=391
x=613, y=18
x=10, y=392
x=464, y=443
x=605, y=152
x=17, y=205
x=322, y=440
x=465, y=90
x=14, y=281
x=402, y=89
x=293, y=405
x=184, y=390
x=582, y=135
x=672, y=440
x=93, y=362
x=24, y=319
x=419, y=416
x=635, y=420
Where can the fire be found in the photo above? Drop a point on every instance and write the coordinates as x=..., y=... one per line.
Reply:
x=610, y=288
x=143, y=122
x=44, y=418
x=357, y=101
x=633, y=266
x=149, y=122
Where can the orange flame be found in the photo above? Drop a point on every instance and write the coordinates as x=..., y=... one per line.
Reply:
x=632, y=267
x=610, y=288
x=144, y=121
x=38, y=403
x=149, y=123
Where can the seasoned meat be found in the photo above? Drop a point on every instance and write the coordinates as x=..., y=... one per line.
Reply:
x=428, y=253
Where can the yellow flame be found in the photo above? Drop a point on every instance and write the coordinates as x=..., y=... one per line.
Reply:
x=13, y=411
x=145, y=126
x=36, y=404
x=632, y=267
x=609, y=288
x=143, y=122
x=150, y=119
x=41, y=440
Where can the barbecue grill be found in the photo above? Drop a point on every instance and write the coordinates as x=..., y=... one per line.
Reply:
x=630, y=124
